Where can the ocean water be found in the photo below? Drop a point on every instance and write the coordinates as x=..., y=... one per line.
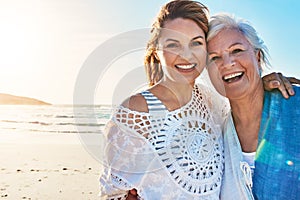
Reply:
x=62, y=119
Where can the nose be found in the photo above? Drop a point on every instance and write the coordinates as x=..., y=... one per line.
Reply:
x=186, y=52
x=228, y=61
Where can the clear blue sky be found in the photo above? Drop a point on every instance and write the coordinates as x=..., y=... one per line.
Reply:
x=45, y=43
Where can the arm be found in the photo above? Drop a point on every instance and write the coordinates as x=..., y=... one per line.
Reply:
x=127, y=157
x=112, y=187
x=280, y=82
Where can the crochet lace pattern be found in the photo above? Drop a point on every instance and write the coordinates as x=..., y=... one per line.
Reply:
x=186, y=141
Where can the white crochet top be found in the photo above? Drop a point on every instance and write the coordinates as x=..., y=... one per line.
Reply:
x=166, y=154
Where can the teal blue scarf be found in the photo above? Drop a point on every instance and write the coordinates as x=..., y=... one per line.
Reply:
x=277, y=162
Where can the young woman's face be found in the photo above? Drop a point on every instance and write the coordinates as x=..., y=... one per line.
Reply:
x=182, y=50
x=233, y=64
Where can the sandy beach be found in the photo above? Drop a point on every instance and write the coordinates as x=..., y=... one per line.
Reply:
x=46, y=166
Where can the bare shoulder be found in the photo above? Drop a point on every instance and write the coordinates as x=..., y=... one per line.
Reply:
x=136, y=102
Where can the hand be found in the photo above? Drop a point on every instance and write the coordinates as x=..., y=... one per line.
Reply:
x=280, y=82
x=132, y=195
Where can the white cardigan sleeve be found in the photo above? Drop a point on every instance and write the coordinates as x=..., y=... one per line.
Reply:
x=126, y=159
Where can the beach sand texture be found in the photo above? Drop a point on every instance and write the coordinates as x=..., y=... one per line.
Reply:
x=46, y=166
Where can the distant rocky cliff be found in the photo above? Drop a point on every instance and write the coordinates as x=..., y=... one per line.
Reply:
x=7, y=99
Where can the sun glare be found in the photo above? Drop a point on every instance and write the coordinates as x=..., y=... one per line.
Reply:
x=17, y=37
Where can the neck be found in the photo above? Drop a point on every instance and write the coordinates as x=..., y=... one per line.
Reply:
x=246, y=113
x=175, y=95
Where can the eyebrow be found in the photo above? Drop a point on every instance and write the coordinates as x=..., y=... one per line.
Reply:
x=194, y=38
x=171, y=40
x=197, y=37
x=237, y=43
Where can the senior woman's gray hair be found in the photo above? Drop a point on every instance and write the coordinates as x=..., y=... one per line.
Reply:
x=227, y=21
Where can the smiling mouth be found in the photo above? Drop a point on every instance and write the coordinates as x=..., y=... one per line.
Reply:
x=186, y=67
x=233, y=77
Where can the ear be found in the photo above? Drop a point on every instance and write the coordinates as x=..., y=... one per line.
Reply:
x=258, y=57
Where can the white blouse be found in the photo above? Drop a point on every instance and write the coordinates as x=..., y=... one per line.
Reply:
x=166, y=155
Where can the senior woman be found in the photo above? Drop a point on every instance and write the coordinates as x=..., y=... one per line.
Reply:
x=262, y=125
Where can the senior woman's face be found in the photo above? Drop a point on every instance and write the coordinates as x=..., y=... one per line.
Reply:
x=233, y=64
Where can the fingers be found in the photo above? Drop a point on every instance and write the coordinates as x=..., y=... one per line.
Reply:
x=133, y=192
x=280, y=82
x=287, y=85
x=132, y=195
x=277, y=81
x=271, y=81
x=293, y=80
x=273, y=84
x=270, y=77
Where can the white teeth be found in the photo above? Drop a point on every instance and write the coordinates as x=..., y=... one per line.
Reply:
x=186, y=66
x=232, y=75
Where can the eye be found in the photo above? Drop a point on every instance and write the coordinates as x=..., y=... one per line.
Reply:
x=172, y=45
x=214, y=58
x=235, y=51
x=197, y=43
